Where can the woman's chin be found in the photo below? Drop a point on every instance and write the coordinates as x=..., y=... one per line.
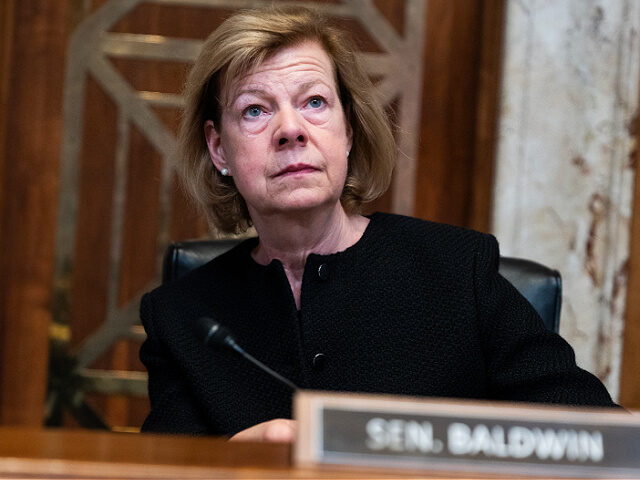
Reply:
x=302, y=203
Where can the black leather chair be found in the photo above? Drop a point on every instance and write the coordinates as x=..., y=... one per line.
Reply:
x=540, y=285
x=182, y=257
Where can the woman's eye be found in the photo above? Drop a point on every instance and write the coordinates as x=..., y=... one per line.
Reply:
x=316, y=102
x=253, y=111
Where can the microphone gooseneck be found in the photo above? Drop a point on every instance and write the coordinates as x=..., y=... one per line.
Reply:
x=213, y=334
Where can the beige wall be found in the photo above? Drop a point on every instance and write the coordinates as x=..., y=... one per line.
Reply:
x=566, y=162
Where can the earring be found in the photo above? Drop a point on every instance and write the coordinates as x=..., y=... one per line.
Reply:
x=224, y=172
x=347, y=153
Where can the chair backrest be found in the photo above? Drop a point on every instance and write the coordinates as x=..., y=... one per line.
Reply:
x=540, y=285
x=182, y=257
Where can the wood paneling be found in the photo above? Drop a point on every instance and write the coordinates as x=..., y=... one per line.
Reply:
x=630, y=375
x=486, y=118
x=6, y=42
x=29, y=193
x=89, y=285
x=138, y=266
x=461, y=64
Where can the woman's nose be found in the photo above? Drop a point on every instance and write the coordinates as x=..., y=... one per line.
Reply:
x=291, y=129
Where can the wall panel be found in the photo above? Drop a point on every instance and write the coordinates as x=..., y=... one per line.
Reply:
x=459, y=104
x=629, y=376
x=6, y=43
x=564, y=169
x=32, y=82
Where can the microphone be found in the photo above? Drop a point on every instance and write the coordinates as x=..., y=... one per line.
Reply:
x=213, y=334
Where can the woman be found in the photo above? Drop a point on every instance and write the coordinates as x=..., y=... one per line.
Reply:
x=281, y=131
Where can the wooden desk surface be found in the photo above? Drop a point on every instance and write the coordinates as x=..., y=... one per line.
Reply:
x=37, y=453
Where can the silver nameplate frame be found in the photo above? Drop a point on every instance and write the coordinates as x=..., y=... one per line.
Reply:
x=426, y=434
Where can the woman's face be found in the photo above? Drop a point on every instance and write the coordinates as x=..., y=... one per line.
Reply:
x=283, y=134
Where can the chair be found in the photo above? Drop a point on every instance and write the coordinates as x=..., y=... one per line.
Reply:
x=182, y=257
x=540, y=285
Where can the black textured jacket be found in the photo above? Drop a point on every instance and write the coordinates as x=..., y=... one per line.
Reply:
x=414, y=308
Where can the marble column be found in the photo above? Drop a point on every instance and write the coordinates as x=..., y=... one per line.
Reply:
x=565, y=162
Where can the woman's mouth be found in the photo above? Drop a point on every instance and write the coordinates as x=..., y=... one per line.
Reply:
x=298, y=168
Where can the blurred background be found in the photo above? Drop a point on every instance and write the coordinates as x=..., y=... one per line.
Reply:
x=514, y=117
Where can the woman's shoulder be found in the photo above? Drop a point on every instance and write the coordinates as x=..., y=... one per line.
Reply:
x=422, y=234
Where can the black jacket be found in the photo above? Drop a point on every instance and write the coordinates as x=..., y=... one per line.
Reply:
x=413, y=308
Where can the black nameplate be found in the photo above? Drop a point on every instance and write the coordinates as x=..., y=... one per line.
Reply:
x=392, y=432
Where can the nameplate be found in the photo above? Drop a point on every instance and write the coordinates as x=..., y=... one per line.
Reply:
x=439, y=435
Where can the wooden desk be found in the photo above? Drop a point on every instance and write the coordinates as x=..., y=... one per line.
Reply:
x=33, y=453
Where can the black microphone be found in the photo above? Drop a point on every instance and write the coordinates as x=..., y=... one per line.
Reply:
x=214, y=334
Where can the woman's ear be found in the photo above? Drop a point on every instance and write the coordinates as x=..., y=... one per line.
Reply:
x=349, y=136
x=347, y=127
x=214, y=144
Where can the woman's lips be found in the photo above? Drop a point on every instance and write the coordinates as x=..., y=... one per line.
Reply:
x=297, y=168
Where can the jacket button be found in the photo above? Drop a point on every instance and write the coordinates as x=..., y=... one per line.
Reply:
x=323, y=271
x=318, y=361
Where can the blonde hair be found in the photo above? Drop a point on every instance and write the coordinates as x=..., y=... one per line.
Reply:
x=239, y=45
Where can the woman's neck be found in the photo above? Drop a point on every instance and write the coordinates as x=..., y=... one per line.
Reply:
x=291, y=238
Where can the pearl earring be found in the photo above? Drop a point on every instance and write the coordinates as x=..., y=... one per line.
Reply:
x=224, y=172
x=347, y=153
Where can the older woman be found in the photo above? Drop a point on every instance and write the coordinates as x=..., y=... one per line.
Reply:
x=281, y=131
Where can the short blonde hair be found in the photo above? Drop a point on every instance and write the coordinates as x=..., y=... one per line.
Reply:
x=239, y=45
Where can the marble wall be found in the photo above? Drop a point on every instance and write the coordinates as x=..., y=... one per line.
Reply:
x=565, y=162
